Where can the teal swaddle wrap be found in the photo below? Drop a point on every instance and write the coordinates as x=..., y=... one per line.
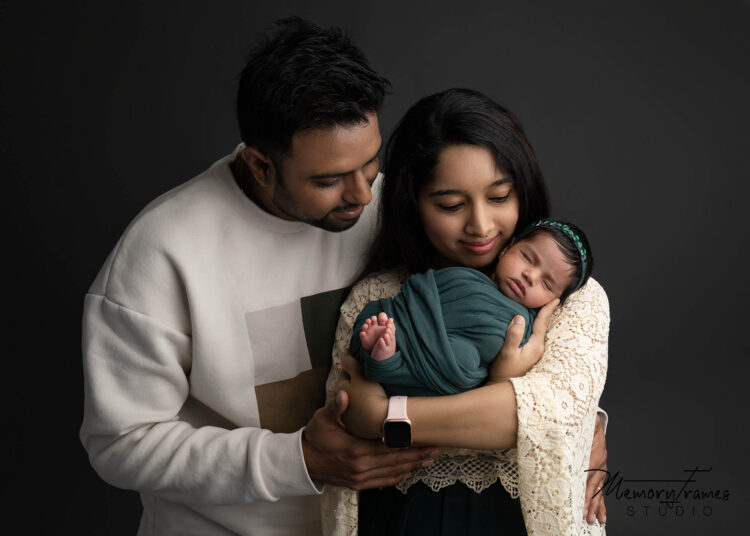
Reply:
x=450, y=325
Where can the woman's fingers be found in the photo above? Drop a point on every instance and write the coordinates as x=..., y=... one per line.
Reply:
x=513, y=337
x=535, y=344
x=542, y=319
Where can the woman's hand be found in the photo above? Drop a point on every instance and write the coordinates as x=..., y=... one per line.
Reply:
x=368, y=403
x=515, y=360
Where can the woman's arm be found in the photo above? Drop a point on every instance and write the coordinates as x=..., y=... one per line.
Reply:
x=483, y=418
x=487, y=417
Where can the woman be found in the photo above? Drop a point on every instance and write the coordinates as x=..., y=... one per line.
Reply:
x=460, y=181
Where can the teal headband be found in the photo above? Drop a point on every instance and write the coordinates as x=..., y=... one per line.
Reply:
x=576, y=240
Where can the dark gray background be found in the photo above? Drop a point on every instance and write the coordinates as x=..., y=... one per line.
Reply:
x=638, y=112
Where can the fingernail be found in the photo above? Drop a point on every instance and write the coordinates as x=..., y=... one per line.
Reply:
x=605, y=518
x=518, y=320
x=585, y=511
x=427, y=463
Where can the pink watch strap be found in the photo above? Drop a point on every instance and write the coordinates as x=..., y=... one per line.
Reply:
x=397, y=408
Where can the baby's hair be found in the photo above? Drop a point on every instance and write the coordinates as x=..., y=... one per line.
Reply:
x=578, y=256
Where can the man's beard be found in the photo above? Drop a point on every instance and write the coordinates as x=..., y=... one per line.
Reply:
x=283, y=201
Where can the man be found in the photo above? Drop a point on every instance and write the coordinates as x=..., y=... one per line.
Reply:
x=207, y=334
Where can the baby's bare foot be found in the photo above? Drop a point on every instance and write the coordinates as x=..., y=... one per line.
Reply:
x=385, y=346
x=372, y=330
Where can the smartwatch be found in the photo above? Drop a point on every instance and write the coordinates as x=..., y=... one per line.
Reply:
x=397, y=426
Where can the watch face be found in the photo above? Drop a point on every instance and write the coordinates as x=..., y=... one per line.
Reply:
x=397, y=434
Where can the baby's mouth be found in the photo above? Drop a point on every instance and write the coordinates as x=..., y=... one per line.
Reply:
x=517, y=287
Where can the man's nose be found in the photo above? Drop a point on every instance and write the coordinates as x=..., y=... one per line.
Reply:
x=357, y=189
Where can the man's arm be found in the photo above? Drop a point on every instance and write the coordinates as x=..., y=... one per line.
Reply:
x=136, y=383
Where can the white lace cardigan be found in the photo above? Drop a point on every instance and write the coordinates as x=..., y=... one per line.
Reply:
x=557, y=404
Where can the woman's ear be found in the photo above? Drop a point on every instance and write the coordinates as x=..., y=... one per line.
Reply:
x=261, y=166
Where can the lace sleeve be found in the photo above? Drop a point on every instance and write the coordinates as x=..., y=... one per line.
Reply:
x=339, y=505
x=557, y=403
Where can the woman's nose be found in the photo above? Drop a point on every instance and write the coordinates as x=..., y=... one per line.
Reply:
x=479, y=224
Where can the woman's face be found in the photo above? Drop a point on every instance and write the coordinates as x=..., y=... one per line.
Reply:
x=470, y=209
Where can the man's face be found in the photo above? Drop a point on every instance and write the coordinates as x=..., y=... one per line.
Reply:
x=325, y=178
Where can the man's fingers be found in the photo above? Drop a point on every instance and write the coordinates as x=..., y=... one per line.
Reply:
x=375, y=458
x=380, y=482
x=340, y=403
x=594, y=495
x=365, y=480
x=596, y=510
x=602, y=513
x=391, y=466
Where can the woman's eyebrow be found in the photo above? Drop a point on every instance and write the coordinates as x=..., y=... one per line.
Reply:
x=455, y=191
x=445, y=192
x=502, y=180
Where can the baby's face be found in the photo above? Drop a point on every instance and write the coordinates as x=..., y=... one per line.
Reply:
x=533, y=272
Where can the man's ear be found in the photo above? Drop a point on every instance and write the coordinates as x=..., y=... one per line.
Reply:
x=261, y=166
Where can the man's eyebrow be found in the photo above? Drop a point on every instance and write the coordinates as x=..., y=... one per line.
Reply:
x=498, y=182
x=334, y=174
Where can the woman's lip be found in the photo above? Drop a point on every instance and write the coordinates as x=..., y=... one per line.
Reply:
x=351, y=213
x=480, y=248
x=517, y=287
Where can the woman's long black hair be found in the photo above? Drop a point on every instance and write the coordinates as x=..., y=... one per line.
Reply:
x=452, y=117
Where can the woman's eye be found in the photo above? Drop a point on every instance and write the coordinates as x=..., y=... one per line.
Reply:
x=500, y=199
x=526, y=257
x=451, y=208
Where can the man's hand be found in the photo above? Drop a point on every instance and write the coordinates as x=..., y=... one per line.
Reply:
x=594, y=506
x=333, y=456
x=515, y=360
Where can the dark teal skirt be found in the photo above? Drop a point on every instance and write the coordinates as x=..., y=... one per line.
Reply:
x=452, y=511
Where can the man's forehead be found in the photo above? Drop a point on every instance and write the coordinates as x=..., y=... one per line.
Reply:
x=341, y=147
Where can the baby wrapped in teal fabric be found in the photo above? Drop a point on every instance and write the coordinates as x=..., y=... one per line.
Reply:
x=451, y=324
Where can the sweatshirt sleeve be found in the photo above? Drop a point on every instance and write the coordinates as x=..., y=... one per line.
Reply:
x=136, y=372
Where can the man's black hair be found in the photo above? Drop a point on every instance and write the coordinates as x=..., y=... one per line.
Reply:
x=303, y=76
